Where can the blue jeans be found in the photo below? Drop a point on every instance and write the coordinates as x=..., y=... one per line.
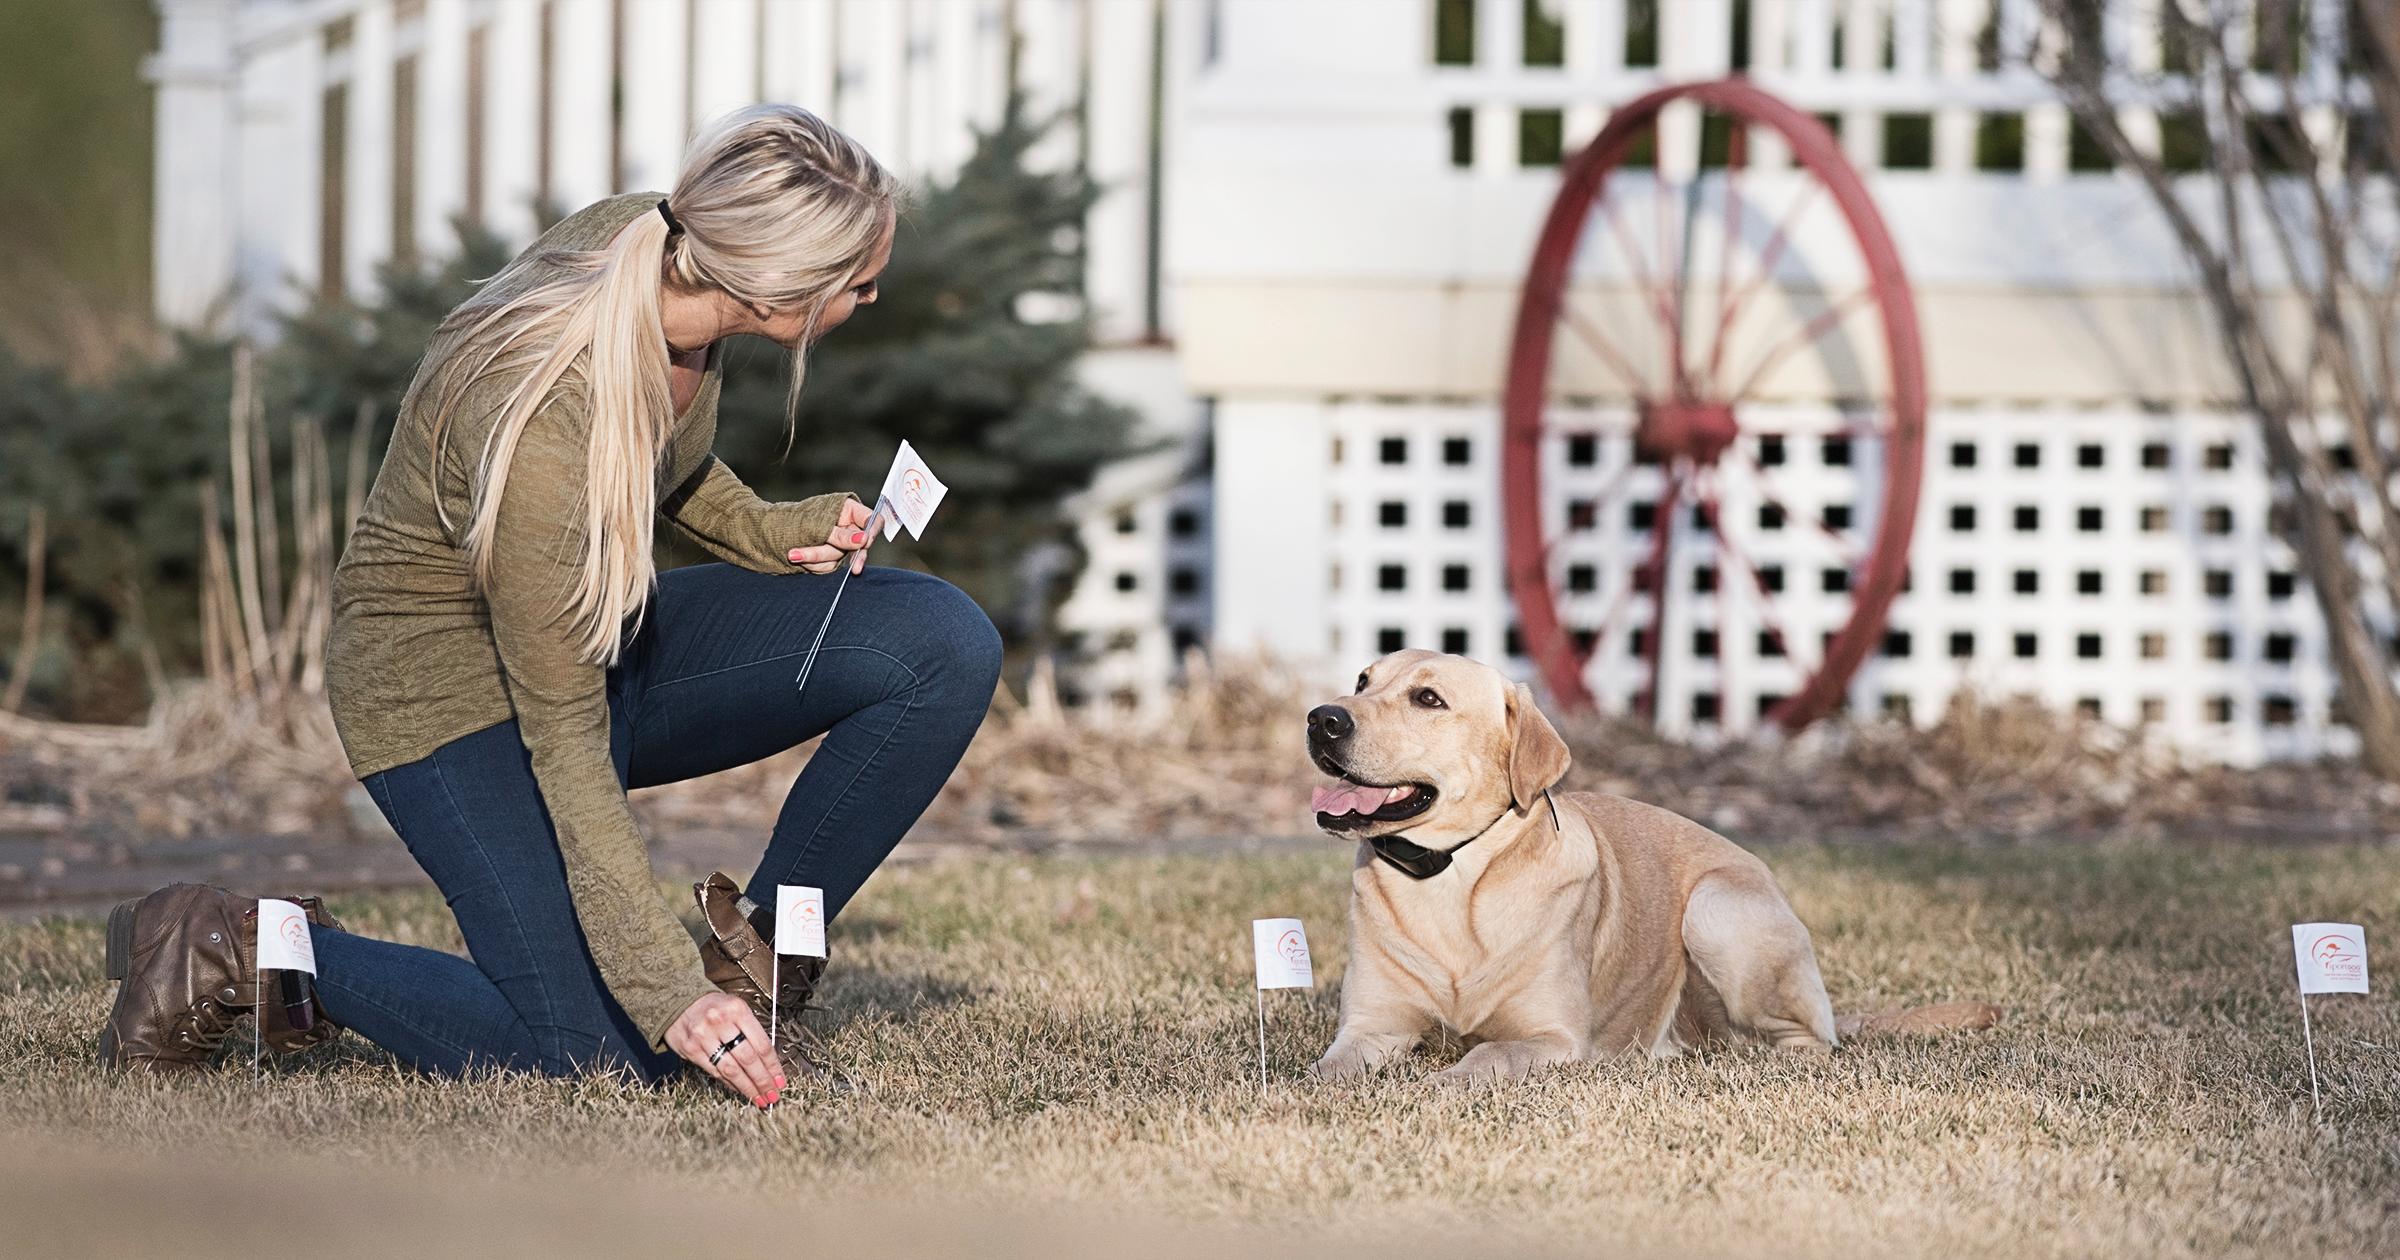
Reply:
x=905, y=677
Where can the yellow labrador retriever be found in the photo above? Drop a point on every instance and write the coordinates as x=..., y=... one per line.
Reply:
x=1543, y=927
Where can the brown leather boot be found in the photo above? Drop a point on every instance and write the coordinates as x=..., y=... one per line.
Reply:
x=185, y=959
x=739, y=960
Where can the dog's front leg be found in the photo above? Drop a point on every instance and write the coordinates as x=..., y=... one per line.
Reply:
x=1508, y=1060
x=1357, y=1051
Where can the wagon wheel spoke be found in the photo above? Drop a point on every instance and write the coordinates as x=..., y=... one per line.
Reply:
x=1662, y=550
x=1737, y=154
x=1652, y=286
x=1844, y=544
x=1810, y=332
x=1769, y=255
x=1599, y=344
x=1763, y=597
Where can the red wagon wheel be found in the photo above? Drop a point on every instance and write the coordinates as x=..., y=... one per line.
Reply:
x=1685, y=412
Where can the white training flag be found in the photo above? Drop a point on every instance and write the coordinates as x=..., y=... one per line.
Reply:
x=2332, y=957
x=799, y=920
x=283, y=940
x=1282, y=949
x=912, y=492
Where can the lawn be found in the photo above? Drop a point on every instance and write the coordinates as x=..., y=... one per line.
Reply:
x=1060, y=1044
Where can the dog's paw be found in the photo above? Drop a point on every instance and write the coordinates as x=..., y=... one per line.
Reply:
x=1338, y=1067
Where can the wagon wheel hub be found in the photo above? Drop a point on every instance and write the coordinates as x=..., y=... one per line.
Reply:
x=1684, y=429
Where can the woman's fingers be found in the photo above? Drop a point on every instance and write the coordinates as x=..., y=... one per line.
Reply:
x=740, y=1067
x=757, y=1053
x=816, y=559
x=855, y=514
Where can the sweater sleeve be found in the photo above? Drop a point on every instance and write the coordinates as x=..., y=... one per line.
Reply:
x=645, y=955
x=727, y=518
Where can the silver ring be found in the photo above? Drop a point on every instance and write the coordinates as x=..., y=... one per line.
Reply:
x=719, y=1052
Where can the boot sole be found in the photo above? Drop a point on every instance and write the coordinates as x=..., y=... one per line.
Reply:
x=119, y=962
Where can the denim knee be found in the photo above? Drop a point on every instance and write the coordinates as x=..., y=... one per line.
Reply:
x=960, y=647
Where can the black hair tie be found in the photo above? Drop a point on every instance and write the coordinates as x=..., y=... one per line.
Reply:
x=674, y=228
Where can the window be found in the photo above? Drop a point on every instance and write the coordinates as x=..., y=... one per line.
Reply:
x=2281, y=585
x=1183, y=523
x=2216, y=520
x=1962, y=518
x=1770, y=451
x=2154, y=582
x=2154, y=520
x=1770, y=576
x=2025, y=645
x=1392, y=514
x=2087, y=152
x=2088, y=519
x=2087, y=582
x=2280, y=711
x=1962, y=581
x=1640, y=516
x=1896, y=644
x=1834, y=581
x=2154, y=647
x=1390, y=639
x=2029, y=455
x=1641, y=33
x=2000, y=142
x=1962, y=645
x=1583, y=450
x=2219, y=709
x=1541, y=137
x=2028, y=518
x=1770, y=517
x=2028, y=582
x=1454, y=32
x=1704, y=644
x=1962, y=454
x=2217, y=645
x=1835, y=452
x=2154, y=455
x=2217, y=457
x=1392, y=450
x=1704, y=579
x=1455, y=515
x=2218, y=583
x=1183, y=580
x=1514, y=641
x=2087, y=646
x=1126, y=581
x=1908, y=142
x=2154, y=709
x=1837, y=516
x=1545, y=35
x=2088, y=707
x=2091, y=455
x=2281, y=647
x=1770, y=643
x=1391, y=577
x=1455, y=451
x=1462, y=136
x=1582, y=579
x=1454, y=640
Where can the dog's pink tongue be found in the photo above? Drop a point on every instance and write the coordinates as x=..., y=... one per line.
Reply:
x=1349, y=798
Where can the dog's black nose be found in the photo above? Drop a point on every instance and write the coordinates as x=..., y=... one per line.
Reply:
x=1330, y=722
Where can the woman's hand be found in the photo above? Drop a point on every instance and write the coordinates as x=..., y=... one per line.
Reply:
x=750, y=1068
x=851, y=536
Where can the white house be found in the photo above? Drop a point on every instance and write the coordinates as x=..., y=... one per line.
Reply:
x=1319, y=221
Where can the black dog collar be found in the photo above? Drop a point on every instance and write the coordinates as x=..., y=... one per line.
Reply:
x=1418, y=862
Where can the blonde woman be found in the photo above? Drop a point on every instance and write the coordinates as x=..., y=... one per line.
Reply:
x=504, y=662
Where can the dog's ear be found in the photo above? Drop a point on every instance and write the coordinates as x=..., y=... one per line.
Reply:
x=1537, y=757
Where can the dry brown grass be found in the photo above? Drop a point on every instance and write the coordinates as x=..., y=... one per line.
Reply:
x=1050, y=1037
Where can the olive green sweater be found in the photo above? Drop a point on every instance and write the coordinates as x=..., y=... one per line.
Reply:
x=417, y=657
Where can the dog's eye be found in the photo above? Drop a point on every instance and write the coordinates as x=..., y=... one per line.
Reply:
x=1362, y=684
x=1427, y=698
